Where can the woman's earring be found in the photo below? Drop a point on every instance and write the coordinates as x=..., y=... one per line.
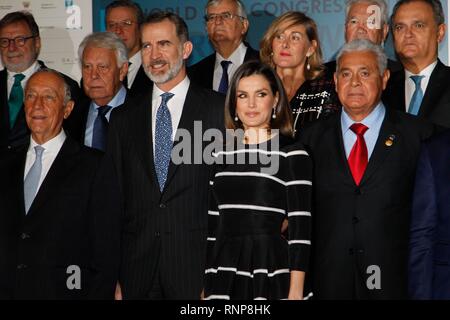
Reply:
x=274, y=114
x=308, y=66
x=236, y=118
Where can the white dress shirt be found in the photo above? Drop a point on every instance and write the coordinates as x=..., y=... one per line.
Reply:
x=236, y=58
x=27, y=73
x=410, y=86
x=175, y=105
x=51, y=150
x=136, y=62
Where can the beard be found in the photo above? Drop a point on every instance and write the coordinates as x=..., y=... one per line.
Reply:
x=167, y=76
x=17, y=67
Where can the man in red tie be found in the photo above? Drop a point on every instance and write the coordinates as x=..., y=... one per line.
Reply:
x=365, y=159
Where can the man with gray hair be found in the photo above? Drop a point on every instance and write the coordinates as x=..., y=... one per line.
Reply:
x=422, y=87
x=58, y=206
x=227, y=25
x=366, y=19
x=104, y=64
x=365, y=158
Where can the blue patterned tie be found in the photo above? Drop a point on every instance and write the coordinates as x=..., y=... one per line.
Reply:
x=417, y=97
x=163, y=139
x=30, y=185
x=15, y=100
x=223, y=86
x=100, y=131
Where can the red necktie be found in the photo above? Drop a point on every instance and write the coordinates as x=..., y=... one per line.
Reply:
x=358, y=157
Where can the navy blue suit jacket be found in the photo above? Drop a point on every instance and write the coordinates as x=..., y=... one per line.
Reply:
x=429, y=259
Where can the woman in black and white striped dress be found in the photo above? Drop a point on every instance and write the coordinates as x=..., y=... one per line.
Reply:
x=264, y=178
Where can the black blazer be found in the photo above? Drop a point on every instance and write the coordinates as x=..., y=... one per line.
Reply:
x=357, y=227
x=164, y=234
x=202, y=72
x=19, y=133
x=141, y=83
x=435, y=105
x=72, y=221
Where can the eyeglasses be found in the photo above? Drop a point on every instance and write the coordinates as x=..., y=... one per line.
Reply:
x=18, y=41
x=294, y=37
x=120, y=24
x=226, y=16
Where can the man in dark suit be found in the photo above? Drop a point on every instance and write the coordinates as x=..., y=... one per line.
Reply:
x=363, y=21
x=164, y=233
x=227, y=25
x=422, y=88
x=104, y=65
x=364, y=166
x=19, y=49
x=124, y=19
x=429, y=253
x=58, y=213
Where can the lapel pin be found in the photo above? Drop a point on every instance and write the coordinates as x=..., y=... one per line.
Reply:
x=390, y=140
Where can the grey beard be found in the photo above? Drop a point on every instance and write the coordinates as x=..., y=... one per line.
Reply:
x=169, y=75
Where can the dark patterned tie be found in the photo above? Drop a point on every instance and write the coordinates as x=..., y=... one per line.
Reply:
x=223, y=86
x=163, y=139
x=15, y=100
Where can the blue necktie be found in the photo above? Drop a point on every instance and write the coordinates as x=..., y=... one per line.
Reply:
x=417, y=97
x=223, y=86
x=163, y=140
x=15, y=100
x=100, y=128
x=30, y=185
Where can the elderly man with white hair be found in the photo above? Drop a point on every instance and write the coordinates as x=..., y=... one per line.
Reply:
x=364, y=166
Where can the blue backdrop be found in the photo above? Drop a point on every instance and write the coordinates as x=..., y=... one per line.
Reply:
x=328, y=14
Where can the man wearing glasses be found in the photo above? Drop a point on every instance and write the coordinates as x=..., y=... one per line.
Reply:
x=227, y=25
x=124, y=19
x=19, y=49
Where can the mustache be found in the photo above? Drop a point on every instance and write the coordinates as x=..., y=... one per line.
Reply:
x=155, y=62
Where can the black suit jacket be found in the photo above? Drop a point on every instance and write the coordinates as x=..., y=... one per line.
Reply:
x=202, y=72
x=164, y=234
x=19, y=133
x=141, y=83
x=358, y=227
x=435, y=105
x=72, y=221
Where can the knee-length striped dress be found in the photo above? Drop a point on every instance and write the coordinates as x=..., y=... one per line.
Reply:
x=247, y=256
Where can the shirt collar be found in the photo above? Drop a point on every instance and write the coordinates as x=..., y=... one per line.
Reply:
x=425, y=72
x=179, y=90
x=53, y=145
x=27, y=73
x=236, y=57
x=118, y=99
x=374, y=117
x=136, y=59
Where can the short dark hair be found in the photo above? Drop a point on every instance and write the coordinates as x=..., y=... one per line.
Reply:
x=127, y=4
x=20, y=16
x=283, y=120
x=180, y=25
x=436, y=5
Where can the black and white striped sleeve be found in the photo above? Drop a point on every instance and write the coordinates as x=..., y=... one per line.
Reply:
x=299, y=196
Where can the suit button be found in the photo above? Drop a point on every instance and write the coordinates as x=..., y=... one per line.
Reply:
x=350, y=251
x=157, y=234
x=355, y=220
x=22, y=266
x=358, y=191
x=24, y=236
x=162, y=205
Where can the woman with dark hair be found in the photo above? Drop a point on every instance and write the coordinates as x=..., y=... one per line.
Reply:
x=264, y=178
x=291, y=46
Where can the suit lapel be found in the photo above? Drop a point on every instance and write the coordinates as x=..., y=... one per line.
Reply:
x=436, y=85
x=187, y=123
x=16, y=173
x=388, y=132
x=64, y=161
x=395, y=96
x=338, y=145
x=4, y=109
